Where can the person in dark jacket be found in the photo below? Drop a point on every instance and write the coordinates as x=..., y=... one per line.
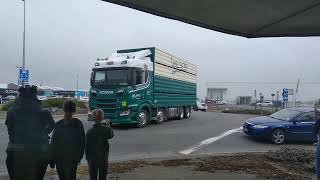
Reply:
x=68, y=143
x=97, y=146
x=28, y=128
x=317, y=131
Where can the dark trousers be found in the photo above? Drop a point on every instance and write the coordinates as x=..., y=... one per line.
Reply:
x=98, y=167
x=67, y=170
x=23, y=165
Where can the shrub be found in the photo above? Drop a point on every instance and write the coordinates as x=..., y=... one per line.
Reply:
x=248, y=111
x=7, y=106
x=59, y=103
x=81, y=104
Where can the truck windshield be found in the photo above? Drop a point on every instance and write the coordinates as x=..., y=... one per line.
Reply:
x=115, y=77
x=119, y=77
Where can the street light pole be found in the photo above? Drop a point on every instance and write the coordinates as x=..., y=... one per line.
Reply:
x=24, y=36
x=24, y=40
x=77, y=86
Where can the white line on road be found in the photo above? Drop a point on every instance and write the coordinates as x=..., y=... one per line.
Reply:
x=206, y=142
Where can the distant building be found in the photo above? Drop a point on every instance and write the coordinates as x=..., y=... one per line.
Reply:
x=13, y=86
x=8, y=92
x=217, y=93
x=3, y=86
x=11, y=89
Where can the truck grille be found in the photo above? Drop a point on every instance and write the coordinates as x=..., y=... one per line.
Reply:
x=107, y=105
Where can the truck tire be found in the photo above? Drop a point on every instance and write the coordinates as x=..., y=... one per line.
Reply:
x=143, y=118
x=187, y=112
x=180, y=113
x=161, y=116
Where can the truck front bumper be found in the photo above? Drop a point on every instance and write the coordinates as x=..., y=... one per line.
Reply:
x=117, y=119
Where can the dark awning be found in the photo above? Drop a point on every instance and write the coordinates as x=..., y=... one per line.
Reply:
x=248, y=18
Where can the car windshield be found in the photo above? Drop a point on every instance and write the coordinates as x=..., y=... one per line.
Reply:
x=285, y=114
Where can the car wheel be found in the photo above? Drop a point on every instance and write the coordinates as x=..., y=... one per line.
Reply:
x=143, y=119
x=161, y=117
x=278, y=136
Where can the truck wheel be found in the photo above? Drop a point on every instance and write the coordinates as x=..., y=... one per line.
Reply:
x=161, y=116
x=187, y=112
x=180, y=113
x=143, y=119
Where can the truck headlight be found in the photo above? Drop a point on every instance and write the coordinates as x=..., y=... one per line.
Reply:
x=125, y=113
x=124, y=104
x=260, y=126
x=93, y=92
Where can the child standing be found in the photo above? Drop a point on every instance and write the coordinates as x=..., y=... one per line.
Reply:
x=97, y=146
x=68, y=143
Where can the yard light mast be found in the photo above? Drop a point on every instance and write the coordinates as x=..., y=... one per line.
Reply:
x=24, y=40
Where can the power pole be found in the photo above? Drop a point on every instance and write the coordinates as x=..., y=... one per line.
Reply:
x=255, y=98
x=77, y=86
x=18, y=68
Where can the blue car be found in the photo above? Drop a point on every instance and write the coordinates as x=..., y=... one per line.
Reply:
x=292, y=124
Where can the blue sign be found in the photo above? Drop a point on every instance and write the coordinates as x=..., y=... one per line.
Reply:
x=285, y=95
x=79, y=93
x=24, y=75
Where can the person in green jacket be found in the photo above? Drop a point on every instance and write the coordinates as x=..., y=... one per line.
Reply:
x=97, y=146
x=68, y=143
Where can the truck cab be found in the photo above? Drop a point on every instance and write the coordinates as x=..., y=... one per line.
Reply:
x=120, y=86
x=135, y=86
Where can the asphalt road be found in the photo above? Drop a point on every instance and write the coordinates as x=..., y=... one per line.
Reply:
x=204, y=133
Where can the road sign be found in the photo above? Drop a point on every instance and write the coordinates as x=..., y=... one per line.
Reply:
x=285, y=95
x=79, y=93
x=24, y=75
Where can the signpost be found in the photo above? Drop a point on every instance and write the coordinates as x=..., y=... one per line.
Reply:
x=285, y=97
x=23, y=76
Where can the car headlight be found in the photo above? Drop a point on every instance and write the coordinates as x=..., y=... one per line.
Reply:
x=125, y=113
x=260, y=126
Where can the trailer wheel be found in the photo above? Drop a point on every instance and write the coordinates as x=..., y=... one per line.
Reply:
x=143, y=119
x=180, y=113
x=161, y=116
x=187, y=112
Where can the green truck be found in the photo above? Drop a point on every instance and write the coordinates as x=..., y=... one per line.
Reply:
x=137, y=86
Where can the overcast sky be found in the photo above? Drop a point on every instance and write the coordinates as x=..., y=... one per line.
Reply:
x=64, y=37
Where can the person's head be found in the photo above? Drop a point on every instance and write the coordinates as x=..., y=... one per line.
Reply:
x=69, y=108
x=97, y=115
x=28, y=92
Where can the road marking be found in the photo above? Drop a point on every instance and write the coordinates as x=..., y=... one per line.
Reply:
x=206, y=142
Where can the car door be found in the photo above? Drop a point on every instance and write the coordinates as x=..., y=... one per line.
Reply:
x=302, y=126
